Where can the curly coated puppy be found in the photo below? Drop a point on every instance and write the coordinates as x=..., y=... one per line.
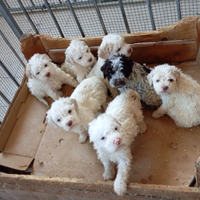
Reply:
x=78, y=60
x=45, y=78
x=123, y=73
x=75, y=112
x=111, y=44
x=112, y=134
x=180, y=95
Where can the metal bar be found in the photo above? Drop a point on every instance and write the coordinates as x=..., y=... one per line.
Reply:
x=27, y=16
x=6, y=3
x=100, y=17
x=13, y=50
x=32, y=2
x=124, y=16
x=178, y=9
x=9, y=74
x=53, y=17
x=151, y=15
x=10, y=20
x=75, y=17
x=4, y=97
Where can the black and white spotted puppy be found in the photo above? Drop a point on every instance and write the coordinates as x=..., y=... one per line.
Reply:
x=123, y=73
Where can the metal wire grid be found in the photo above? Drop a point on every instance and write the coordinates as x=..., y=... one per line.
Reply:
x=137, y=16
x=189, y=8
x=112, y=17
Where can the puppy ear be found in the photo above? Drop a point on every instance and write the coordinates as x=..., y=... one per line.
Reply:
x=128, y=65
x=176, y=74
x=68, y=56
x=50, y=120
x=75, y=104
x=28, y=71
x=105, y=68
x=150, y=76
x=105, y=51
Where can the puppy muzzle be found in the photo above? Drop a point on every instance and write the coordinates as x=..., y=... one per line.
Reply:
x=119, y=83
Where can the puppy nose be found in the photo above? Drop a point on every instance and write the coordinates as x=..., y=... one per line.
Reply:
x=48, y=74
x=119, y=82
x=69, y=123
x=90, y=60
x=130, y=50
x=165, y=88
x=117, y=141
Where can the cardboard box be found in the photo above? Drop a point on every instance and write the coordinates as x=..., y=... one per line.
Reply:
x=163, y=157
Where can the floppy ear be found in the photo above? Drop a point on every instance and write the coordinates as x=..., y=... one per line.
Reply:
x=75, y=104
x=105, y=68
x=176, y=74
x=105, y=51
x=50, y=120
x=150, y=76
x=128, y=66
x=68, y=56
x=28, y=71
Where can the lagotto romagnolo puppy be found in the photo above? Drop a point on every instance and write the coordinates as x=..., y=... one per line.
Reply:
x=45, y=78
x=123, y=73
x=180, y=95
x=112, y=134
x=111, y=43
x=78, y=60
x=75, y=112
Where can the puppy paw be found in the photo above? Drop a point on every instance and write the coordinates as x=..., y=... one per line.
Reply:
x=143, y=128
x=108, y=175
x=120, y=187
x=156, y=114
x=82, y=139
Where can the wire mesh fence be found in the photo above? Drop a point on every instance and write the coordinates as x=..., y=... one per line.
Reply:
x=79, y=18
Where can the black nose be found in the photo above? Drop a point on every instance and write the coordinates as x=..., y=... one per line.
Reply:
x=165, y=88
x=119, y=83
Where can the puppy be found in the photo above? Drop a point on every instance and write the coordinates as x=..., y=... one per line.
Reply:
x=123, y=73
x=45, y=78
x=75, y=112
x=111, y=44
x=180, y=95
x=78, y=60
x=112, y=134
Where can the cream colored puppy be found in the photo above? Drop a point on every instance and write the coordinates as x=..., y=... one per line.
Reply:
x=112, y=134
x=111, y=44
x=75, y=112
x=180, y=95
x=78, y=60
x=45, y=78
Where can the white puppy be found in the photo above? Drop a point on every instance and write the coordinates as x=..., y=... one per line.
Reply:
x=180, y=95
x=45, y=78
x=75, y=112
x=78, y=60
x=113, y=133
x=111, y=44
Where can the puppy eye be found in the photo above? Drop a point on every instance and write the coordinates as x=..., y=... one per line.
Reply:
x=102, y=138
x=118, y=49
x=157, y=80
x=171, y=80
x=69, y=111
x=80, y=58
x=58, y=120
x=45, y=65
x=37, y=72
x=116, y=128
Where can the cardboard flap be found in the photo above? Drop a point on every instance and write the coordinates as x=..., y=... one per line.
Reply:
x=15, y=161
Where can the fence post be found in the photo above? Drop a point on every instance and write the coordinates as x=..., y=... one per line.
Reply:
x=124, y=16
x=10, y=20
x=178, y=9
x=151, y=15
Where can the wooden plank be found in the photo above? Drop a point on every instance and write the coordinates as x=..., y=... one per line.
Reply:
x=31, y=44
x=184, y=29
x=150, y=52
x=64, y=185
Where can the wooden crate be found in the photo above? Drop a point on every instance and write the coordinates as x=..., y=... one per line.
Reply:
x=163, y=157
